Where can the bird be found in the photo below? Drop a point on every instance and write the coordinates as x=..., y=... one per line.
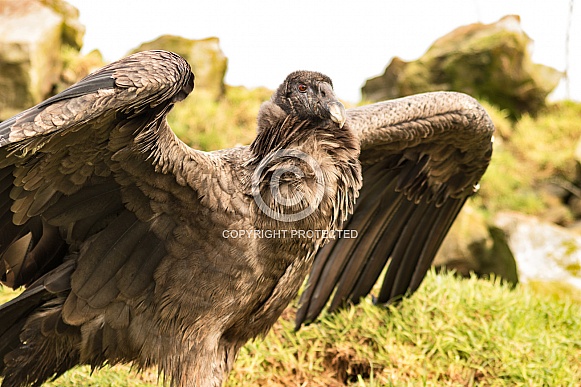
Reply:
x=134, y=248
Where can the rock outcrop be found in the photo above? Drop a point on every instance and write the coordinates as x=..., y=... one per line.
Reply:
x=488, y=61
x=544, y=252
x=33, y=34
x=205, y=56
x=473, y=246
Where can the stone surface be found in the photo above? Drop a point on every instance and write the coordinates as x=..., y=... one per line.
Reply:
x=31, y=43
x=543, y=251
x=205, y=56
x=489, y=61
x=473, y=246
x=73, y=31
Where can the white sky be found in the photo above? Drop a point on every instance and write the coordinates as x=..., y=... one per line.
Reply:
x=349, y=40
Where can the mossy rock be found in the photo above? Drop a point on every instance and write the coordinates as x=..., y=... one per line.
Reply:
x=473, y=246
x=544, y=252
x=205, y=56
x=35, y=38
x=30, y=61
x=72, y=31
x=491, y=62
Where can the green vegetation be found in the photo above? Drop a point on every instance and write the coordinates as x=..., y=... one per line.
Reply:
x=530, y=156
x=208, y=124
x=7, y=294
x=452, y=332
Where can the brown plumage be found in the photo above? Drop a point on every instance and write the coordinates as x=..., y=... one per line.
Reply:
x=136, y=248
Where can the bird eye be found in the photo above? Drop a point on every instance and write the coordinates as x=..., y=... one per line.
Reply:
x=302, y=88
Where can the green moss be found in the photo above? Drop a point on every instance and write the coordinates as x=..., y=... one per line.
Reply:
x=205, y=56
x=574, y=269
x=548, y=141
x=489, y=62
x=507, y=185
x=529, y=154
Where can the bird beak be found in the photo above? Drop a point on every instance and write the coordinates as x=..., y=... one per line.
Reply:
x=329, y=102
x=337, y=111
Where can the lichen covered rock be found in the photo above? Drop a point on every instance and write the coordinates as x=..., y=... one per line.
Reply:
x=488, y=61
x=32, y=37
x=205, y=56
x=473, y=246
x=543, y=251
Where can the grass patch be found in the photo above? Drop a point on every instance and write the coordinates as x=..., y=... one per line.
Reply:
x=120, y=375
x=452, y=332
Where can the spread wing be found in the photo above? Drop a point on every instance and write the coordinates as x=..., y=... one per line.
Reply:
x=422, y=157
x=89, y=181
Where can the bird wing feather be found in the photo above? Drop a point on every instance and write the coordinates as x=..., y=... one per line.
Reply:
x=422, y=157
x=95, y=176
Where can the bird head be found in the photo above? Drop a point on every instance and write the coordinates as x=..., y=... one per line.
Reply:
x=309, y=94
